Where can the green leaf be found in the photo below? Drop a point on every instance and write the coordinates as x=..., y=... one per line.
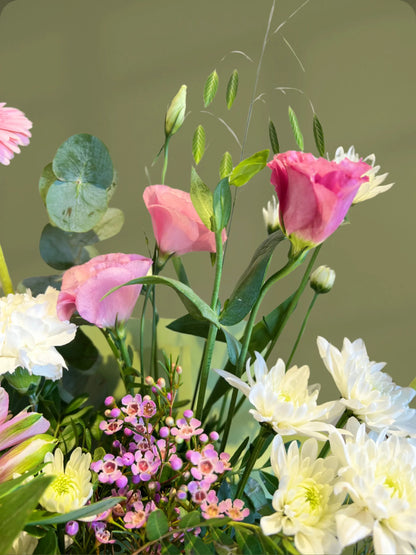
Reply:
x=238, y=451
x=295, y=128
x=210, y=88
x=194, y=545
x=77, y=200
x=198, y=144
x=194, y=304
x=274, y=142
x=190, y=520
x=226, y=165
x=233, y=347
x=222, y=204
x=43, y=518
x=270, y=481
x=157, y=525
x=318, y=134
x=16, y=508
x=46, y=179
x=39, y=284
x=76, y=403
x=202, y=199
x=248, y=543
x=248, y=168
x=84, y=158
x=109, y=225
x=61, y=249
x=248, y=286
x=289, y=547
x=80, y=353
x=232, y=88
x=48, y=544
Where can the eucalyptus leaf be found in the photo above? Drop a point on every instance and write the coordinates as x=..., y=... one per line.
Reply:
x=198, y=144
x=248, y=286
x=45, y=181
x=232, y=88
x=222, y=204
x=295, y=128
x=80, y=353
x=61, y=249
x=210, y=88
x=248, y=168
x=39, y=284
x=202, y=199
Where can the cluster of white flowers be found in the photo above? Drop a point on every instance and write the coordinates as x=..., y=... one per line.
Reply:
x=372, y=461
x=29, y=332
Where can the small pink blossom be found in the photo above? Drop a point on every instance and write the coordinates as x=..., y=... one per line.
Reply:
x=102, y=535
x=186, y=429
x=199, y=490
x=207, y=464
x=111, y=427
x=14, y=132
x=135, y=518
x=145, y=467
x=234, y=509
x=210, y=508
x=84, y=286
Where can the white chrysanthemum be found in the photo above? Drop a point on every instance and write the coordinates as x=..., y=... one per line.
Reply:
x=271, y=216
x=379, y=475
x=29, y=331
x=305, y=502
x=284, y=399
x=72, y=487
x=370, y=188
x=368, y=392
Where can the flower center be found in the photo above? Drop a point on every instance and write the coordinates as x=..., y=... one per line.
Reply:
x=63, y=484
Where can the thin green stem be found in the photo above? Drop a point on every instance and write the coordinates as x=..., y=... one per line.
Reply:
x=302, y=329
x=254, y=455
x=294, y=301
x=212, y=332
x=343, y=420
x=5, y=279
x=165, y=159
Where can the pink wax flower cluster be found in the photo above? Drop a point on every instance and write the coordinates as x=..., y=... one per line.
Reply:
x=14, y=132
x=154, y=458
x=84, y=286
x=177, y=227
x=314, y=194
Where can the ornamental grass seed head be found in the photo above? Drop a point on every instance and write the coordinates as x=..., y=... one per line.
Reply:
x=14, y=132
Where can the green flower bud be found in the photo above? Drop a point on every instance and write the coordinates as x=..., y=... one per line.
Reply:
x=322, y=279
x=176, y=112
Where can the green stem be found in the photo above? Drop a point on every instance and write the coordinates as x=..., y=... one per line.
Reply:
x=294, y=301
x=302, y=329
x=343, y=420
x=5, y=279
x=212, y=332
x=154, y=335
x=165, y=159
x=254, y=455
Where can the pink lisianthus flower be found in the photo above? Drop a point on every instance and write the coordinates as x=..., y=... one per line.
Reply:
x=14, y=132
x=176, y=224
x=314, y=194
x=84, y=286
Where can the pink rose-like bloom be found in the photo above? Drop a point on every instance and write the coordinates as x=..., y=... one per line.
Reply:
x=14, y=132
x=314, y=194
x=176, y=224
x=84, y=286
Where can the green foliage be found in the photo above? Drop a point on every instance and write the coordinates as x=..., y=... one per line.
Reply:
x=194, y=545
x=77, y=198
x=48, y=544
x=232, y=88
x=318, y=134
x=296, y=129
x=210, y=88
x=270, y=481
x=81, y=353
x=157, y=525
x=222, y=204
x=43, y=517
x=233, y=347
x=16, y=506
x=202, y=200
x=198, y=144
x=274, y=142
x=248, y=286
x=226, y=165
x=248, y=168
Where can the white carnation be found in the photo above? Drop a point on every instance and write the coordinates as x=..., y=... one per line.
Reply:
x=29, y=332
x=368, y=392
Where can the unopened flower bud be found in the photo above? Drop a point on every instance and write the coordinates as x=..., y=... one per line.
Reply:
x=169, y=421
x=149, y=380
x=271, y=216
x=72, y=527
x=161, y=383
x=322, y=279
x=176, y=112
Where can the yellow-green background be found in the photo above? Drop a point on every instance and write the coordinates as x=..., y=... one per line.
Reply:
x=110, y=68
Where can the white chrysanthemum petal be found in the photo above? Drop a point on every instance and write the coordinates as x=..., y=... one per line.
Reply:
x=234, y=381
x=29, y=332
x=353, y=524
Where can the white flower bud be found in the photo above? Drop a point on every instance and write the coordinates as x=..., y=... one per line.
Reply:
x=176, y=112
x=271, y=216
x=322, y=279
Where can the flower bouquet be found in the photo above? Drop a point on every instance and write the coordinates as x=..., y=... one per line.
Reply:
x=150, y=463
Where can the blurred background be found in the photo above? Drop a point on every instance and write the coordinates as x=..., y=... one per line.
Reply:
x=110, y=68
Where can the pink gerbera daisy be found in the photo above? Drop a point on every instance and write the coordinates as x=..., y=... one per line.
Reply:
x=14, y=131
